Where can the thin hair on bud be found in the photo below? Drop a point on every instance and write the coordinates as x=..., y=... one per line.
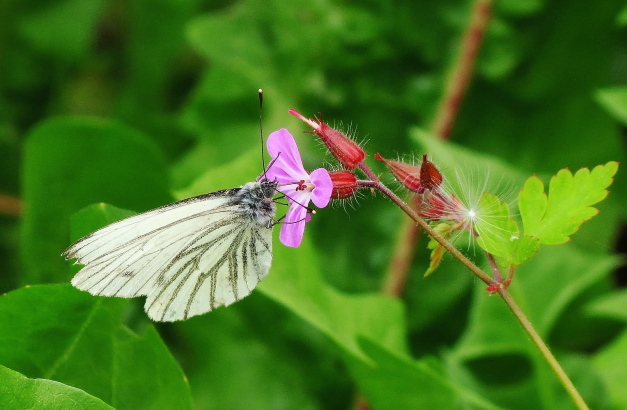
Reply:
x=469, y=186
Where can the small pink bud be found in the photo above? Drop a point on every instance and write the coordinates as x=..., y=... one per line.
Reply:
x=430, y=177
x=408, y=175
x=493, y=288
x=344, y=184
x=345, y=150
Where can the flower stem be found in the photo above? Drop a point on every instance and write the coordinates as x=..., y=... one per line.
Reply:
x=461, y=72
x=376, y=183
x=495, y=267
x=10, y=205
x=543, y=348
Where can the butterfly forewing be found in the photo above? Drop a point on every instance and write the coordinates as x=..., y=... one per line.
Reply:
x=187, y=257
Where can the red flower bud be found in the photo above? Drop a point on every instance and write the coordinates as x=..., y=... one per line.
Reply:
x=344, y=184
x=345, y=150
x=493, y=288
x=408, y=175
x=430, y=177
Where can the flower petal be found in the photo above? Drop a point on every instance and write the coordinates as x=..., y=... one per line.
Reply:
x=287, y=166
x=293, y=226
x=321, y=194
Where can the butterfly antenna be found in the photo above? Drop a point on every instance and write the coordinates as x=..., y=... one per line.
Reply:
x=263, y=160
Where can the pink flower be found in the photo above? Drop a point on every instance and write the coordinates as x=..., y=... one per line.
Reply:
x=298, y=186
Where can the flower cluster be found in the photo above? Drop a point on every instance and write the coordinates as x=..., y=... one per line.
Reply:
x=319, y=186
x=434, y=203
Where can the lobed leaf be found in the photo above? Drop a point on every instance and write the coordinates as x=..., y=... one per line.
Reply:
x=499, y=235
x=554, y=217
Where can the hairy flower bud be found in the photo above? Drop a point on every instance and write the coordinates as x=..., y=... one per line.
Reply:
x=406, y=174
x=430, y=177
x=344, y=184
x=345, y=150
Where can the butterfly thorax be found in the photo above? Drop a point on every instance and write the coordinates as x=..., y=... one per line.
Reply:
x=255, y=198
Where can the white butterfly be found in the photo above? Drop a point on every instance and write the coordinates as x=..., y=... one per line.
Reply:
x=188, y=257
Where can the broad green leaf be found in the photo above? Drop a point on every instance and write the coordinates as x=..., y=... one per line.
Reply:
x=146, y=375
x=614, y=100
x=229, y=350
x=554, y=217
x=65, y=28
x=613, y=305
x=70, y=163
x=610, y=362
x=19, y=392
x=416, y=384
x=498, y=233
x=621, y=20
x=95, y=216
x=299, y=287
x=60, y=333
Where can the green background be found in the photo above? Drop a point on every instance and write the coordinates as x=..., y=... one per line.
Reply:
x=138, y=103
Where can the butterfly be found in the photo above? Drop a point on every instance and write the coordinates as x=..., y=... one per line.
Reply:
x=187, y=257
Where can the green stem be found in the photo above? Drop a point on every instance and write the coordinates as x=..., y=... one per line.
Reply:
x=543, y=348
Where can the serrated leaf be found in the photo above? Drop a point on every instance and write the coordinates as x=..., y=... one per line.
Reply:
x=554, y=217
x=498, y=233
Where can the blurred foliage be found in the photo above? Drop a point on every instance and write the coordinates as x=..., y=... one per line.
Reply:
x=137, y=103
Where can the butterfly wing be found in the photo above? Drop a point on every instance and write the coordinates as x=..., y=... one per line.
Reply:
x=188, y=257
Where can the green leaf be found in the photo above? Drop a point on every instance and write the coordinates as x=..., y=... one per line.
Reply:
x=60, y=333
x=610, y=362
x=95, y=216
x=299, y=287
x=19, y=392
x=146, y=375
x=70, y=163
x=437, y=250
x=229, y=350
x=65, y=28
x=553, y=218
x=498, y=233
x=614, y=100
x=613, y=305
x=417, y=384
